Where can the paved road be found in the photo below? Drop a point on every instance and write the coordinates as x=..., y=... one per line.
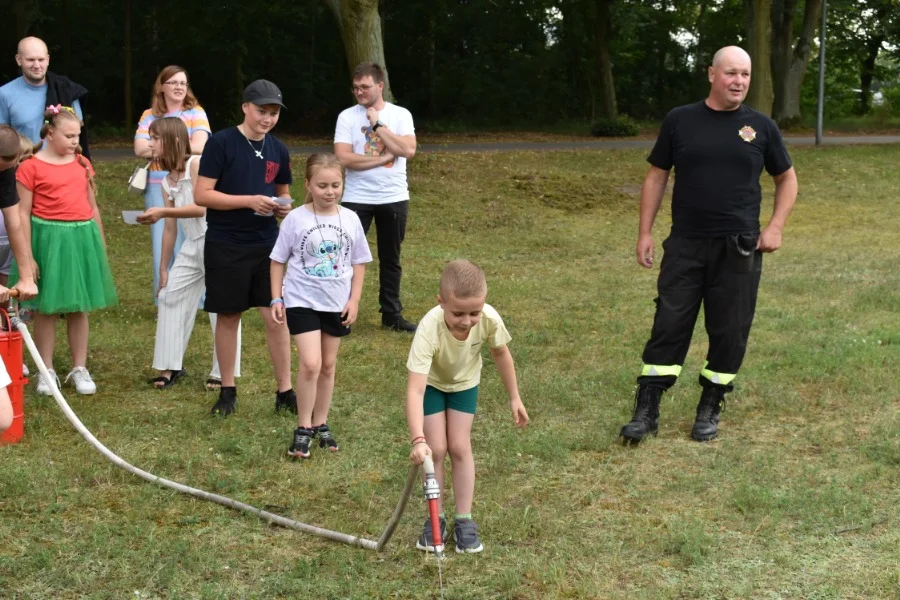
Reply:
x=119, y=153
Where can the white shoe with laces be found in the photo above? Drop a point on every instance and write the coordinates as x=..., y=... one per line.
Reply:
x=43, y=386
x=82, y=380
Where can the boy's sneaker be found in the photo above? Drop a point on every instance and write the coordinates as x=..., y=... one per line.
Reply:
x=286, y=400
x=426, y=540
x=300, y=446
x=226, y=403
x=326, y=440
x=466, y=533
x=82, y=380
x=43, y=386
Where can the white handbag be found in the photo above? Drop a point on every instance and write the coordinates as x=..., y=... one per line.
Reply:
x=137, y=183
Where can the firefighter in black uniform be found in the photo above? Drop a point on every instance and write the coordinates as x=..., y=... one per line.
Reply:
x=713, y=255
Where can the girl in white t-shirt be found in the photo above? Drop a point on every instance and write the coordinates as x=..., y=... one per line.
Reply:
x=324, y=249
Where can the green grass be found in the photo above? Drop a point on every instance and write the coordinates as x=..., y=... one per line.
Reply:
x=881, y=120
x=797, y=499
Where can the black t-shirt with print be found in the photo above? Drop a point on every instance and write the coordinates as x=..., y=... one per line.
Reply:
x=229, y=159
x=718, y=158
x=8, y=195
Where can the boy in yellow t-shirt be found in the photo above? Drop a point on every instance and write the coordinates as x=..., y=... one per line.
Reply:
x=442, y=393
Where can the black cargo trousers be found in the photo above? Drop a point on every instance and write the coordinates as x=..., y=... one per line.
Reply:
x=723, y=274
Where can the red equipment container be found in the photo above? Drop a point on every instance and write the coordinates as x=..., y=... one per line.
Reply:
x=11, y=348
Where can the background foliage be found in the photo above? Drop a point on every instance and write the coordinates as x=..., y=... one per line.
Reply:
x=456, y=64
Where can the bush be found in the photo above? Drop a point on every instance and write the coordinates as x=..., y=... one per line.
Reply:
x=617, y=127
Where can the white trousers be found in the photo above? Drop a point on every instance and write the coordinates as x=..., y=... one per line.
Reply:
x=178, y=303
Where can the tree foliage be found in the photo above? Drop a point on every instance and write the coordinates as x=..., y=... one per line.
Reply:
x=463, y=63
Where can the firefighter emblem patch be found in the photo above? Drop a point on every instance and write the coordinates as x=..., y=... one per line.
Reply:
x=747, y=133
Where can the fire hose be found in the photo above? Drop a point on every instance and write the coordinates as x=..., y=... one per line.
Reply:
x=218, y=499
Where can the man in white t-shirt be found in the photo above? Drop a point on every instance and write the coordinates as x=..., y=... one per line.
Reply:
x=373, y=140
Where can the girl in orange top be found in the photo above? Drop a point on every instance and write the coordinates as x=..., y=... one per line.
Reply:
x=62, y=223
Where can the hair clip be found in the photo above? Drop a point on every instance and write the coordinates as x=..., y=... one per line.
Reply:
x=54, y=109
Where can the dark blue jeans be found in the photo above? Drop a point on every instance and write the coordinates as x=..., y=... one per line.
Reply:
x=390, y=229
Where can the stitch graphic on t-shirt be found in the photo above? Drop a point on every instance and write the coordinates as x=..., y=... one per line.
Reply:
x=328, y=253
x=374, y=145
x=271, y=170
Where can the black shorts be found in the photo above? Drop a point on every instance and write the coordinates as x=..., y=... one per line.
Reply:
x=302, y=320
x=237, y=277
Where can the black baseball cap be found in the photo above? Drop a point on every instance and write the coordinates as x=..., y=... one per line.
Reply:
x=262, y=92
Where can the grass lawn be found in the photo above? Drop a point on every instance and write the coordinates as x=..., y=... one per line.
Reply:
x=797, y=499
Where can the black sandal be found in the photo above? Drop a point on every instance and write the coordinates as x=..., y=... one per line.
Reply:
x=168, y=381
x=213, y=384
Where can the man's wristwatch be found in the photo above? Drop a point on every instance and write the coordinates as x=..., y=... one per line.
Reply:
x=377, y=125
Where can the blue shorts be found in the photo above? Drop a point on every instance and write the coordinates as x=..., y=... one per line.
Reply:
x=437, y=401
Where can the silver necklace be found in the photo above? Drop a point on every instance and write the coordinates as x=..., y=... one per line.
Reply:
x=338, y=265
x=259, y=153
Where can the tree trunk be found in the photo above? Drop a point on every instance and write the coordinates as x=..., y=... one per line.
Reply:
x=758, y=15
x=129, y=115
x=867, y=64
x=700, y=64
x=431, y=76
x=867, y=73
x=607, y=101
x=360, y=26
x=789, y=62
x=576, y=20
x=662, y=105
x=239, y=82
x=67, y=40
x=23, y=18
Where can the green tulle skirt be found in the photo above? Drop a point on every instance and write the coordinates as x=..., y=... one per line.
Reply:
x=74, y=271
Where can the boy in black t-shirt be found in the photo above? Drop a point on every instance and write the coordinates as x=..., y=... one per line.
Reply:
x=244, y=181
x=26, y=288
x=713, y=255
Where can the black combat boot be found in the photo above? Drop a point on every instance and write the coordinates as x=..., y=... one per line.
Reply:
x=646, y=413
x=706, y=426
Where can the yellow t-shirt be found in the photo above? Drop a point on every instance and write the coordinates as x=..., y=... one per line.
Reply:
x=454, y=365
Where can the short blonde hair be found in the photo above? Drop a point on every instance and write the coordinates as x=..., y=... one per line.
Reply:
x=463, y=279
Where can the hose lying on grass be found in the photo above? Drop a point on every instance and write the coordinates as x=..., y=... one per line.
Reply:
x=203, y=495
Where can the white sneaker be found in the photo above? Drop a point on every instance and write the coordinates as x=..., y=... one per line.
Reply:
x=82, y=380
x=43, y=386
x=25, y=371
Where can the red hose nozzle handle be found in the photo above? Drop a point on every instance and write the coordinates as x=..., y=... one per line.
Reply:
x=433, y=494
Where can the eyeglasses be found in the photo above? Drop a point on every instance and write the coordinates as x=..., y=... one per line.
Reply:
x=177, y=83
x=362, y=88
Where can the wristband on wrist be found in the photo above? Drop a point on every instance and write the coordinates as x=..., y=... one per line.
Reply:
x=419, y=442
x=417, y=438
x=277, y=301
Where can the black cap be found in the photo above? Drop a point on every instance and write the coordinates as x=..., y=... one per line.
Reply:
x=262, y=92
